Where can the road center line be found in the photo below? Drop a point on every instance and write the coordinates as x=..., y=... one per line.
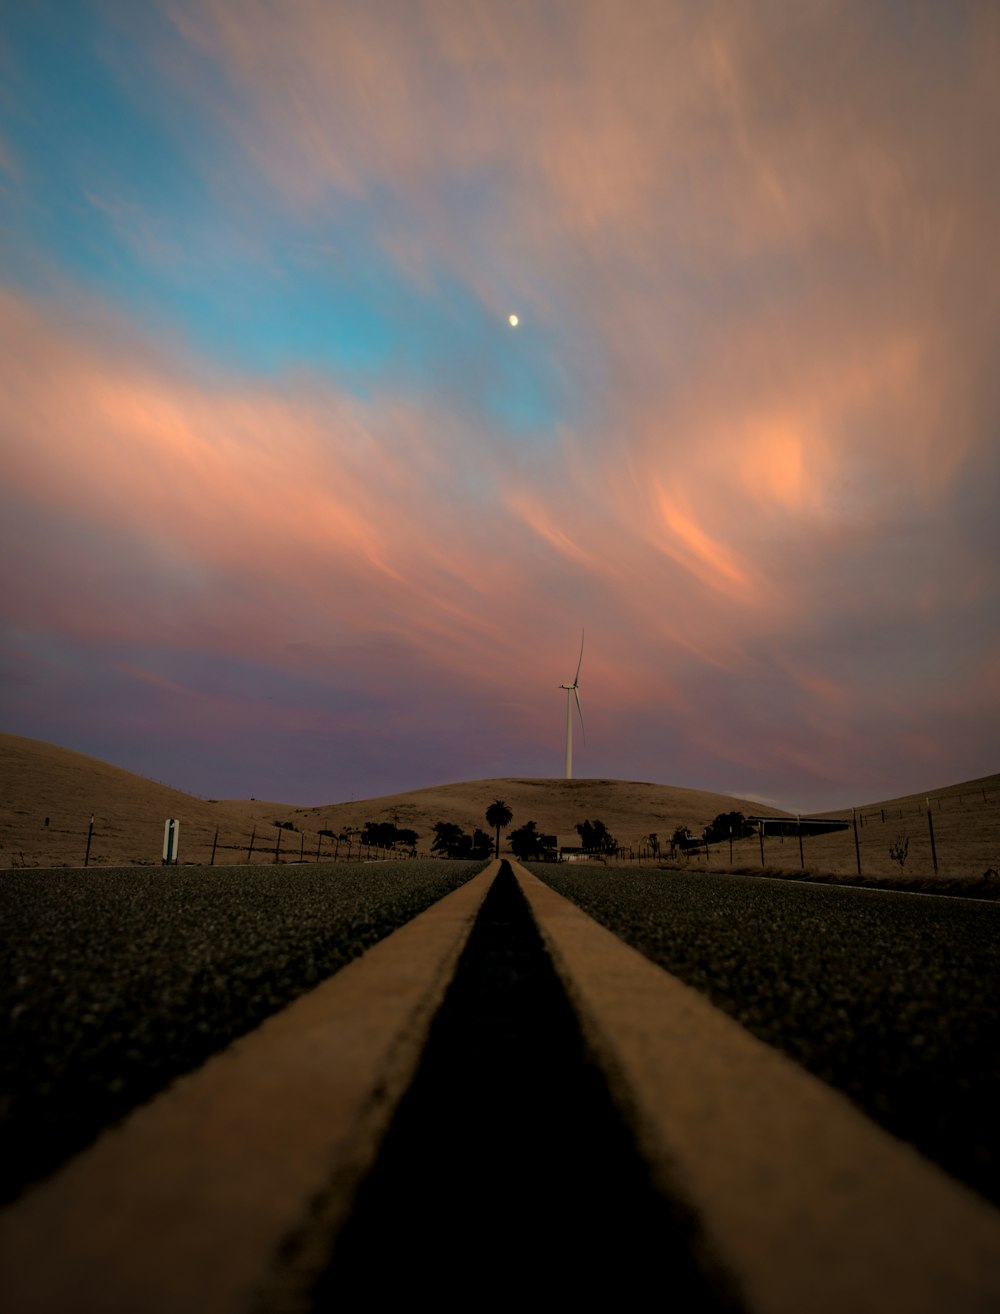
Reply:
x=182, y=1206
x=804, y=1200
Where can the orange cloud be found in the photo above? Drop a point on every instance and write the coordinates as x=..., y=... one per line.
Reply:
x=538, y=517
x=236, y=513
x=688, y=543
x=758, y=256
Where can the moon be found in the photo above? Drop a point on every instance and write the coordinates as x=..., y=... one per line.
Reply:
x=513, y=321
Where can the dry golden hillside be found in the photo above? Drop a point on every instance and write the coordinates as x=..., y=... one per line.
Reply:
x=630, y=809
x=41, y=781
x=49, y=795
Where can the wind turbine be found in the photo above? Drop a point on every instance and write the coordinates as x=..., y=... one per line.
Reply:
x=573, y=692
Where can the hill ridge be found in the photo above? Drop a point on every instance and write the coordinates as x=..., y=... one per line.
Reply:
x=49, y=793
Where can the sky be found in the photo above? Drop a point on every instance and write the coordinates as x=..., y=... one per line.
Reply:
x=290, y=509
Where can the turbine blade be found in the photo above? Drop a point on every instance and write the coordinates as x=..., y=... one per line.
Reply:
x=576, y=695
x=580, y=662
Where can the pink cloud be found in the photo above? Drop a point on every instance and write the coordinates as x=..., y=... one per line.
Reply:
x=759, y=249
x=315, y=532
x=173, y=511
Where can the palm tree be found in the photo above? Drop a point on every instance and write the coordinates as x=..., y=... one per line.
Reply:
x=498, y=815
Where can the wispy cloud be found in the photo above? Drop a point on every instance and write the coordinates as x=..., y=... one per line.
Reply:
x=745, y=432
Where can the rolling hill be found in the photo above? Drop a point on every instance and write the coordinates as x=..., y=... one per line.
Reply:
x=49, y=795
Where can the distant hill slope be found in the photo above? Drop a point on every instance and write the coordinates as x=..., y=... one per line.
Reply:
x=48, y=795
x=41, y=777
x=43, y=783
x=630, y=809
x=982, y=787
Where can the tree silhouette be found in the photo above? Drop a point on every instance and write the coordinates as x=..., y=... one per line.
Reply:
x=453, y=842
x=595, y=837
x=480, y=844
x=728, y=824
x=498, y=815
x=449, y=838
x=525, y=842
x=379, y=834
x=386, y=834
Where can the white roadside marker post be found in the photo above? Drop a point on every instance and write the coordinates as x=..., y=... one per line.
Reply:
x=171, y=836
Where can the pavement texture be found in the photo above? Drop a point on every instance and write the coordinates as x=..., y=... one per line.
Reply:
x=221, y=1194
x=500, y=1100
x=893, y=999
x=804, y=1200
x=116, y=982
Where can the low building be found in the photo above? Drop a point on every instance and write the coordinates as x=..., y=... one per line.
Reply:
x=798, y=825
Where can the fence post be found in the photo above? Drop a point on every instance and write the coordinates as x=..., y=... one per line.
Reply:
x=857, y=846
x=253, y=836
x=277, y=844
x=215, y=841
x=302, y=846
x=798, y=827
x=90, y=834
x=930, y=827
x=760, y=836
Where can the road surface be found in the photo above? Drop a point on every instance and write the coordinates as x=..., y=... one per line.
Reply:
x=500, y=1099
x=893, y=999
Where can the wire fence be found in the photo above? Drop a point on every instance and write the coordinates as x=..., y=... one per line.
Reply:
x=128, y=841
x=950, y=834
x=954, y=834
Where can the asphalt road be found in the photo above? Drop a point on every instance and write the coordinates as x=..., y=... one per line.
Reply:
x=894, y=999
x=114, y=982
x=117, y=981
x=507, y=1172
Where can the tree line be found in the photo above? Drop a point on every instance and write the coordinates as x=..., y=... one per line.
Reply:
x=527, y=843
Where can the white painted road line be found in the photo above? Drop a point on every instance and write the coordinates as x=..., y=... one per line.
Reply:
x=805, y=1202
x=182, y=1207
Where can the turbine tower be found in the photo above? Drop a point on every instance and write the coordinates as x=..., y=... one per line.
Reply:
x=573, y=692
